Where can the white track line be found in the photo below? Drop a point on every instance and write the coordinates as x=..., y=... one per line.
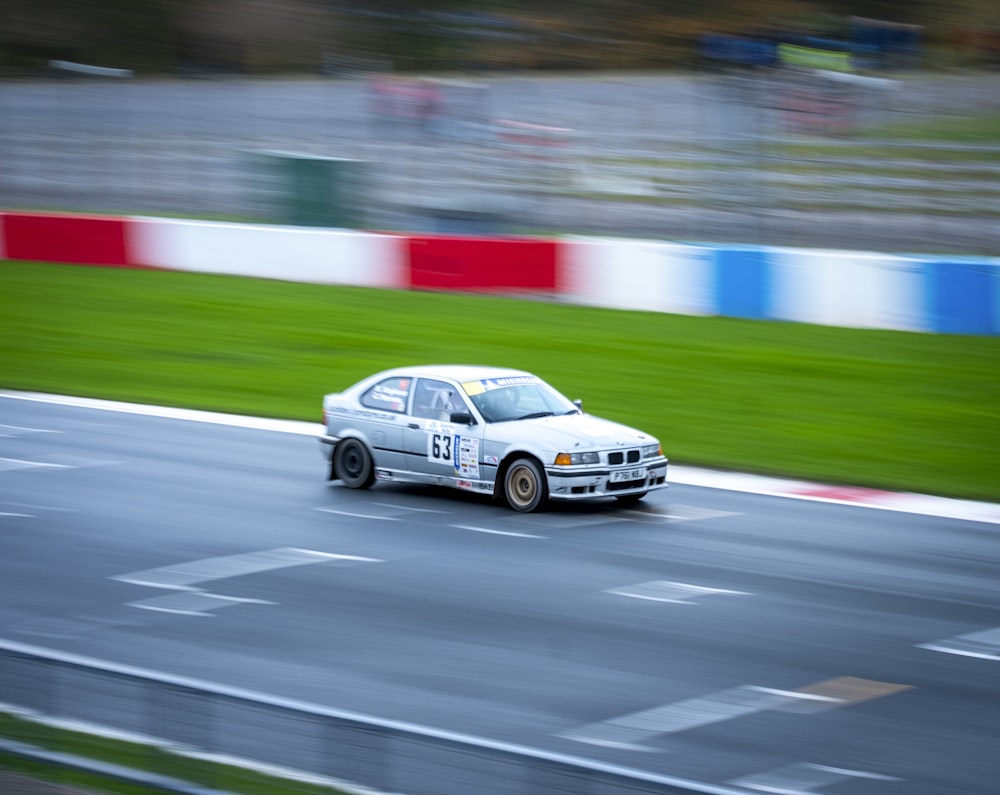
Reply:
x=495, y=532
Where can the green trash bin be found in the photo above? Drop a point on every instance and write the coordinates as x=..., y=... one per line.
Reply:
x=306, y=190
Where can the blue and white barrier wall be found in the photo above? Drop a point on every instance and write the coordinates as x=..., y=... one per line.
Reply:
x=953, y=295
x=860, y=289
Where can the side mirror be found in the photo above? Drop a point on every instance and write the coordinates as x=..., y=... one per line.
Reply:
x=462, y=418
x=579, y=404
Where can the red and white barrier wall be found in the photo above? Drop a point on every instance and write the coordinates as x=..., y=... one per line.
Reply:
x=829, y=287
x=64, y=238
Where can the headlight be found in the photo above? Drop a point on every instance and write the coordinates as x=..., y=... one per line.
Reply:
x=571, y=459
x=652, y=451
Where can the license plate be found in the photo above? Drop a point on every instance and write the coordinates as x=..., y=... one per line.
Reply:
x=623, y=475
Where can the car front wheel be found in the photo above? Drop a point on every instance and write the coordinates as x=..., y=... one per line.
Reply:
x=524, y=485
x=353, y=464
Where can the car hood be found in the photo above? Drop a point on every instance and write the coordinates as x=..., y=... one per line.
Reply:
x=570, y=432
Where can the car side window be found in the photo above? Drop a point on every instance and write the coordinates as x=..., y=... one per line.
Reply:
x=388, y=395
x=435, y=400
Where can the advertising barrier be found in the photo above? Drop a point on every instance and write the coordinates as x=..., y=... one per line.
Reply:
x=82, y=240
x=297, y=254
x=451, y=262
x=860, y=289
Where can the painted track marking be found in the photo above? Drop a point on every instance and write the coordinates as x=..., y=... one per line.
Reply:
x=7, y=464
x=983, y=645
x=182, y=576
x=193, y=603
x=629, y=732
x=475, y=529
x=399, y=507
x=666, y=591
x=358, y=515
x=803, y=777
x=19, y=430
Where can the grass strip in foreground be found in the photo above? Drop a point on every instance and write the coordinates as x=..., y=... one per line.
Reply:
x=885, y=409
x=136, y=756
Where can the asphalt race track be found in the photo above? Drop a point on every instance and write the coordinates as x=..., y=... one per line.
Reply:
x=729, y=638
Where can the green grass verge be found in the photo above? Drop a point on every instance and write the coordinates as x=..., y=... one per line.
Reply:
x=885, y=409
x=138, y=756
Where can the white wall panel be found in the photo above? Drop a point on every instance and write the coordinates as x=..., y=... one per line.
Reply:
x=637, y=274
x=302, y=254
x=995, y=297
x=848, y=288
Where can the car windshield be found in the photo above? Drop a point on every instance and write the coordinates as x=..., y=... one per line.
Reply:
x=505, y=399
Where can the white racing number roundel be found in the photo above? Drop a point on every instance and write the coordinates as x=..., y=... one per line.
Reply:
x=441, y=447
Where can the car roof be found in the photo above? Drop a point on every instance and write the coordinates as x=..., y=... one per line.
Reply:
x=457, y=372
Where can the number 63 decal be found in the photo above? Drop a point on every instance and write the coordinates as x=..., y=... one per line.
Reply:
x=439, y=447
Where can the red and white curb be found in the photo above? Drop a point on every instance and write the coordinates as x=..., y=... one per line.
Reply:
x=904, y=502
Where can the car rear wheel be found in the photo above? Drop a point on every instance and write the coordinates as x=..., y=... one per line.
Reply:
x=353, y=464
x=524, y=485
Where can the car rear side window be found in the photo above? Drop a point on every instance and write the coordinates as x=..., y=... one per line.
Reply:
x=388, y=395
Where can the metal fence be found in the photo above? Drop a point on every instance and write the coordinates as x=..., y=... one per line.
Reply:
x=223, y=721
x=769, y=157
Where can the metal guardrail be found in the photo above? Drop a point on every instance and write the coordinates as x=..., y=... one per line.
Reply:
x=387, y=755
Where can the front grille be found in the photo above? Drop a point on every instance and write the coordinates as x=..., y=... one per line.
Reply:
x=618, y=457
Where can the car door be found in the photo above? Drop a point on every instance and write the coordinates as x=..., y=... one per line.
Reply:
x=383, y=418
x=436, y=448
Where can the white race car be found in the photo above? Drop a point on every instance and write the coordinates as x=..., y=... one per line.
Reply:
x=490, y=430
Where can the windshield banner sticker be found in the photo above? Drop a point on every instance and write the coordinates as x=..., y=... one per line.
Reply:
x=478, y=387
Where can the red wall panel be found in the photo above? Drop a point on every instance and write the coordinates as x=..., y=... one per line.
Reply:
x=439, y=262
x=65, y=238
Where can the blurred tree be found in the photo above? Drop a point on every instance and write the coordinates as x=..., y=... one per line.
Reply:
x=269, y=35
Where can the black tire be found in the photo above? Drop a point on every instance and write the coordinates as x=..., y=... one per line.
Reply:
x=524, y=485
x=353, y=464
x=628, y=500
